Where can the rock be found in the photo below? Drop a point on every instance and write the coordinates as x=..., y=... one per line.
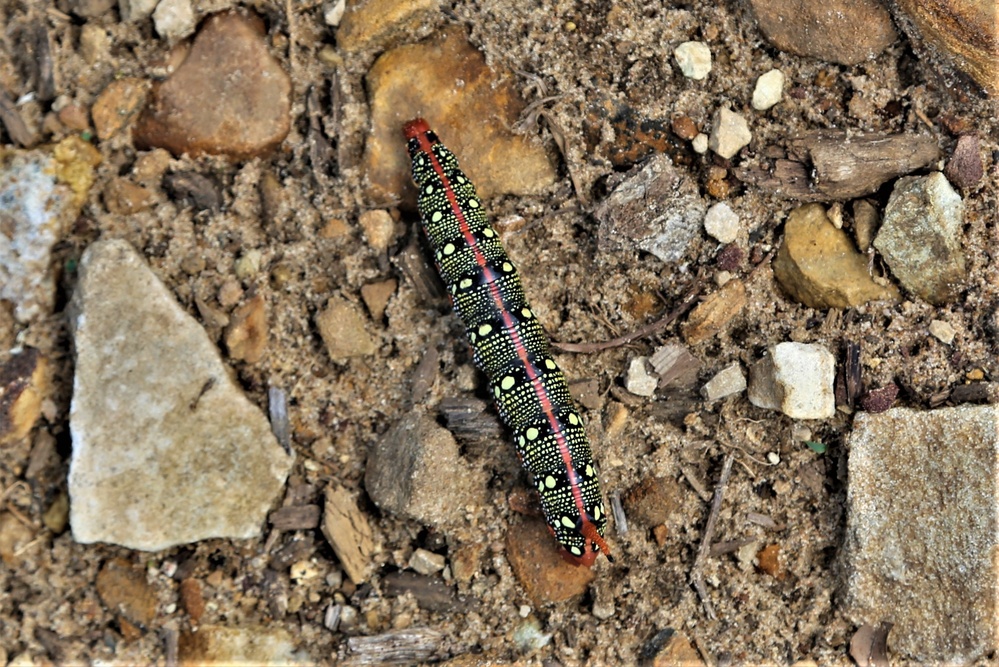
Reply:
x=24, y=383
x=376, y=24
x=657, y=208
x=192, y=598
x=471, y=105
x=818, y=266
x=348, y=531
x=726, y=382
x=230, y=64
x=124, y=590
x=881, y=399
x=866, y=221
x=218, y=645
x=795, y=378
x=700, y=143
x=333, y=12
x=376, y=296
x=125, y=198
x=166, y=448
x=344, y=330
x=174, y=19
x=246, y=335
x=117, y=106
x=675, y=366
x=841, y=31
x=964, y=168
x=427, y=562
x=14, y=537
x=694, y=59
x=136, y=10
x=769, y=89
x=189, y=188
x=544, y=575
x=920, y=237
x=379, y=228
x=927, y=565
x=713, y=314
x=721, y=223
x=769, y=560
x=411, y=646
x=942, y=331
x=729, y=133
x=406, y=468
x=668, y=648
x=638, y=380
x=653, y=501
x=43, y=191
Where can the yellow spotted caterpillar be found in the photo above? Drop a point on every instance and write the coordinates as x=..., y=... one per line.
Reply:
x=510, y=347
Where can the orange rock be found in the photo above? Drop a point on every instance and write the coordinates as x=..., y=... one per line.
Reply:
x=124, y=197
x=376, y=296
x=677, y=652
x=192, y=598
x=716, y=311
x=379, y=23
x=534, y=558
x=769, y=561
x=123, y=589
x=117, y=105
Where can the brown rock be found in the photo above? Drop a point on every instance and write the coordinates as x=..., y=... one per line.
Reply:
x=228, y=97
x=819, y=267
x=344, y=330
x=192, y=598
x=465, y=561
x=24, y=382
x=126, y=198
x=840, y=31
x=653, y=500
x=378, y=23
x=14, y=536
x=535, y=560
x=470, y=105
x=379, y=228
x=254, y=645
x=964, y=168
x=117, y=105
x=247, y=333
x=124, y=590
x=75, y=117
x=347, y=530
x=376, y=296
x=715, y=312
x=770, y=562
x=672, y=649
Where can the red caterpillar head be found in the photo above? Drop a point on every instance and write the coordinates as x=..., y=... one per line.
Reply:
x=415, y=128
x=592, y=545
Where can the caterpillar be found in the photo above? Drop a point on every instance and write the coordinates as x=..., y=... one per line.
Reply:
x=510, y=347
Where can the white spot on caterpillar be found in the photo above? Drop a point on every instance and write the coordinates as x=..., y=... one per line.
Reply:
x=496, y=393
x=596, y=513
x=485, y=329
x=488, y=233
x=550, y=482
x=507, y=267
x=589, y=470
x=532, y=433
x=429, y=189
x=436, y=216
x=520, y=438
x=459, y=179
x=526, y=312
x=506, y=384
x=575, y=551
x=449, y=249
x=567, y=522
x=465, y=283
x=573, y=419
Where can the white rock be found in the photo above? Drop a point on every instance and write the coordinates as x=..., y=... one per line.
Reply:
x=700, y=143
x=942, y=331
x=136, y=10
x=795, y=378
x=638, y=380
x=729, y=380
x=166, y=448
x=174, y=19
x=769, y=89
x=722, y=223
x=694, y=59
x=333, y=12
x=426, y=562
x=729, y=133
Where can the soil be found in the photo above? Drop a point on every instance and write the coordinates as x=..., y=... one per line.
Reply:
x=765, y=614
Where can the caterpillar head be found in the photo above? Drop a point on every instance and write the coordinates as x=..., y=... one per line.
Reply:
x=582, y=543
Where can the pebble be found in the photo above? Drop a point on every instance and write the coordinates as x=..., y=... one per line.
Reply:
x=694, y=59
x=653, y=501
x=123, y=197
x=14, y=537
x=117, y=105
x=726, y=382
x=818, y=266
x=407, y=465
x=472, y=105
x=136, y=10
x=942, y=331
x=343, y=328
x=795, y=378
x=24, y=384
x=964, y=168
x=42, y=191
x=174, y=19
x=349, y=532
x=248, y=264
x=227, y=645
x=713, y=314
x=700, y=143
x=847, y=32
x=230, y=64
x=95, y=43
x=638, y=379
x=124, y=589
x=769, y=89
x=920, y=238
x=150, y=391
x=906, y=551
x=192, y=598
x=880, y=399
x=427, y=562
x=669, y=648
x=376, y=297
x=722, y=223
x=376, y=24
x=729, y=133
x=543, y=574
x=675, y=366
x=247, y=333
x=656, y=208
x=333, y=12
x=866, y=220
x=379, y=228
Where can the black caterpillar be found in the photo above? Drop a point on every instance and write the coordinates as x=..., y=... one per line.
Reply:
x=510, y=347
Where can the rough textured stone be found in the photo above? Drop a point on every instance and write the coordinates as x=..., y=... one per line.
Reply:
x=229, y=64
x=124, y=590
x=713, y=314
x=769, y=89
x=729, y=133
x=369, y=24
x=722, y=223
x=24, y=383
x=795, y=378
x=729, y=380
x=638, y=380
x=174, y=19
x=258, y=645
x=348, y=531
x=819, y=267
x=921, y=235
x=964, y=168
x=166, y=448
x=471, y=105
x=922, y=530
x=694, y=59
x=117, y=106
x=840, y=31
x=344, y=330
x=535, y=561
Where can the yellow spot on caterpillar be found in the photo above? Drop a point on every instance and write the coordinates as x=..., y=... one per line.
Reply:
x=550, y=482
x=589, y=470
x=460, y=180
x=507, y=267
x=471, y=337
x=473, y=203
x=436, y=216
x=488, y=233
x=596, y=513
x=449, y=249
x=527, y=313
x=573, y=419
x=465, y=283
x=567, y=522
x=506, y=384
x=520, y=438
x=485, y=329
x=532, y=433
x=575, y=551
x=550, y=365
x=496, y=392
x=429, y=189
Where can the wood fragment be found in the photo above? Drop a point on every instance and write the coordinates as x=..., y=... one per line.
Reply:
x=728, y=546
x=851, y=369
x=761, y=520
x=12, y=121
x=292, y=552
x=470, y=419
x=295, y=517
x=695, y=483
x=398, y=647
x=347, y=529
x=697, y=572
x=431, y=593
x=320, y=150
x=45, y=86
x=617, y=509
x=170, y=643
x=426, y=372
x=412, y=261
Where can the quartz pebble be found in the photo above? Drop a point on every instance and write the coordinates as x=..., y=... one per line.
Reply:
x=942, y=331
x=729, y=133
x=795, y=378
x=638, y=380
x=694, y=59
x=174, y=19
x=379, y=228
x=768, y=91
x=722, y=223
x=427, y=562
x=726, y=382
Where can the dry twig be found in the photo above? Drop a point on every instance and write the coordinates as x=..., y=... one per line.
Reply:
x=697, y=572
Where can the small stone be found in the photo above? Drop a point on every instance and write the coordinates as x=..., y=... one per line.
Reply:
x=773, y=458
x=150, y=166
x=333, y=12
x=247, y=333
x=56, y=517
x=921, y=236
x=174, y=19
x=248, y=265
x=230, y=293
x=722, y=223
x=376, y=296
x=942, y=331
x=190, y=188
x=14, y=537
x=700, y=143
x=964, y=168
x=726, y=382
x=166, y=448
x=866, y=221
x=136, y=10
x=465, y=562
x=75, y=117
x=638, y=380
x=192, y=598
x=768, y=560
x=230, y=64
x=907, y=552
x=427, y=562
x=117, y=106
x=729, y=133
x=671, y=649
x=380, y=23
x=694, y=59
x=534, y=558
x=218, y=645
x=125, y=591
x=379, y=228
x=344, y=330
x=769, y=89
x=349, y=532
x=94, y=43
x=24, y=384
x=713, y=314
x=125, y=198
x=684, y=127
x=881, y=399
x=653, y=501
x=818, y=266
x=795, y=378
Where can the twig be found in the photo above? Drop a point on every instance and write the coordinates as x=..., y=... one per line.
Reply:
x=697, y=572
x=647, y=330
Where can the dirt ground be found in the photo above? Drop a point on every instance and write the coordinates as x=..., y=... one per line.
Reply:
x=49, y=607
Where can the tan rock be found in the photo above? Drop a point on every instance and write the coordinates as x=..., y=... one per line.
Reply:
x=126, y=198
x=344, y=330
x=378, y=23
x=819, y=267
x=246, y=335
x=117, y=106
x=348, y=531
x=379, y=228
x=14, y=537
x=24, y=382
x=124, y=590
x=218, y=645
x=715, y=312
x=376, y=296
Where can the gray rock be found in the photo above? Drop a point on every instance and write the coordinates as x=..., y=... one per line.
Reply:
x=920, y=237
x=136, y=10
x=729, y=133
x=795, y=378
x=174, y=19
x=638, y=380
x=729, y=380
x=656, y=209
x=922, y=531
x=166, y=448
